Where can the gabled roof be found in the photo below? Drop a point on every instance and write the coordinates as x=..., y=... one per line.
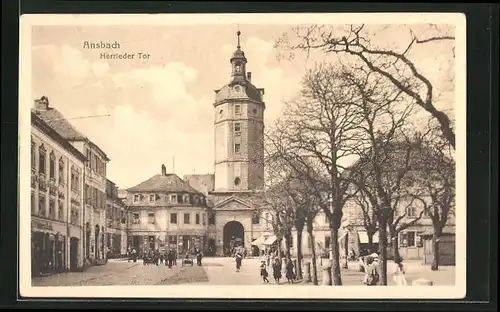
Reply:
x=239, y=200
x=63, y=127
x=168, y=183
x=59, y=123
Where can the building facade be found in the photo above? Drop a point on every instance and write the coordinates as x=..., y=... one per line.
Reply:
x=116, y=222
x=165, y=212
x=57, y=170
x=410, y=241
x=94, y=179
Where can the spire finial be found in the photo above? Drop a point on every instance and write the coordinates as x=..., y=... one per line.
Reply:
x=238, y=33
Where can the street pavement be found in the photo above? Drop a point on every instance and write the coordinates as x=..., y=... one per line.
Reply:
x=215, y=271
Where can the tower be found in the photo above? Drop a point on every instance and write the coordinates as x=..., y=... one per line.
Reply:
x=239, y=130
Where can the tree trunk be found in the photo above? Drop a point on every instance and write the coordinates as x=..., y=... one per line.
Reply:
x=382, y=240
x=395, y=246
x=370, y=241
x=288, y=240
x=313, y=253
x=280, y=240
x=299, y=254
x=334, y=245
x=435, y=252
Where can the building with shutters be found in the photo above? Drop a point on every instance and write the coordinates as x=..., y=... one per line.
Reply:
x=116, y=222
x=57, y=170
x=165, y=212
x=93, y=177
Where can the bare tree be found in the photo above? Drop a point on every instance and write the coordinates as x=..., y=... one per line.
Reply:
x=316, y=138
x=395, y=66
x=382, y=171
x=436, y=183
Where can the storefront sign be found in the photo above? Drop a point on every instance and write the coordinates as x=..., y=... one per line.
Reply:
x=41, y=225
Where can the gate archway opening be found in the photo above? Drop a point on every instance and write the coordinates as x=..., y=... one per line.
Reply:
x=234, y=236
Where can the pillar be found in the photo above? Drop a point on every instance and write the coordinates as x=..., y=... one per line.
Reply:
x=307, y=272
x=327, y=273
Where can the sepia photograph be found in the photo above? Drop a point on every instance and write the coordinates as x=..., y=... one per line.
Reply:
x=242, y=156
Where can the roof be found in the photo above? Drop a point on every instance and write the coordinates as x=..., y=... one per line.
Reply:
x=169, y=183
x=251, y=92
x=202, y=182
x=43, y=126
x=61, y=125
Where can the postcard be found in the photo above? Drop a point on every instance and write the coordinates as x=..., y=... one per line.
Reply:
x=287, y=156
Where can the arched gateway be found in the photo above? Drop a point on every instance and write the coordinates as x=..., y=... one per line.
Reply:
x=233, y=236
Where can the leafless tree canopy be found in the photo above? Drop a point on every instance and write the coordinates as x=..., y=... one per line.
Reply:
x=395, y=66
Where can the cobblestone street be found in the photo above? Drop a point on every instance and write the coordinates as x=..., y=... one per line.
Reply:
x=215, y=271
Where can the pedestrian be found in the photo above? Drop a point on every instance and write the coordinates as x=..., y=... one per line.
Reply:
x=277, y=270
x=238, y=258
x=199, y=256
x=372, y=272
x=161, y=257
x=268, y=258
x=399, y=273
x=134, y=255
x=263, y=272
x=289, y=271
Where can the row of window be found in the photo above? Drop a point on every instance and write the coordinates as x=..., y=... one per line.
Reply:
x=199, y=218
x=95, y=163
x=115, y=214
x=172, y=198
x=40, y=209
x=237, y=110
x=42, y=166
x=95, y=197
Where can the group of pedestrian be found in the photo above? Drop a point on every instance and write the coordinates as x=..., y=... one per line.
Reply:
x=372, y=271
x=276, y=268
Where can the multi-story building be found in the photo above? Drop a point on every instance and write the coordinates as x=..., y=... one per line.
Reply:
x=166, y=212
x=94, y=179
x=57, y=175
x=410, y=241
x=116, y=222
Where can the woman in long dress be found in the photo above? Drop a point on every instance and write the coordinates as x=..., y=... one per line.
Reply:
x=277, y=270
x=399, y=273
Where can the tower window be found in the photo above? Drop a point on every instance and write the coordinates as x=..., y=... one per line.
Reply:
x=237, y=127
x=237, y=109
x=255, y=111
x=237, y=181
x=221, y=111
x=237, y=148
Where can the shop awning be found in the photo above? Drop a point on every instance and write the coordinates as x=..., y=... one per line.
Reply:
x=363, y=237
x=259, y=241
x=270, y=240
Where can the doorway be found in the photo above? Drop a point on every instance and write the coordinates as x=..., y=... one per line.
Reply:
x=73, y=253
x=233, y=236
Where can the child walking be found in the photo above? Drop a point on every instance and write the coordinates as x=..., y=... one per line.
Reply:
x=263, y=272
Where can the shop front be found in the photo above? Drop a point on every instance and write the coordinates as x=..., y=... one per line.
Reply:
x=48, y=247
x=187, y=242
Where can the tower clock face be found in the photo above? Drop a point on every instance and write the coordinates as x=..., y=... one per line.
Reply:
x=237, y=88
x=238, y=68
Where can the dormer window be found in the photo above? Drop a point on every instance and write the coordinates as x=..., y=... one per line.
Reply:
x=152, y=198
x=173, y=198
x=137, y=198
x=186, y=199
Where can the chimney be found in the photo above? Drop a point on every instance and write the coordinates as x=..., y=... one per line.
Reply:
x=249, y=77
x=163, y=170
x=42, y=103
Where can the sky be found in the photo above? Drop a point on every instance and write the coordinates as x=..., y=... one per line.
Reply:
x=160, y=108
